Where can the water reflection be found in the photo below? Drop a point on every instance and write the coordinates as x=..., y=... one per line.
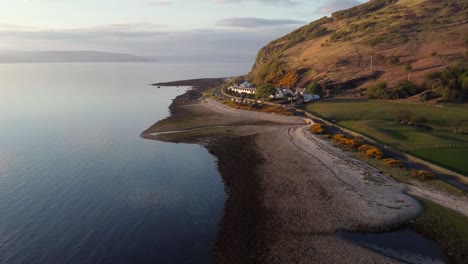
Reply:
x=404, y=245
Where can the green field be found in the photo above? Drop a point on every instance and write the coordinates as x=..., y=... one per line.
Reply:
x=377, y=119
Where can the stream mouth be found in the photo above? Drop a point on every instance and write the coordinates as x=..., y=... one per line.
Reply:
x=404, y=245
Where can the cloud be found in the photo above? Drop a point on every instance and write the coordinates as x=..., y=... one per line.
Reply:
x=337, y=5
x=158, y=3
x=270, y=2
x=146, y=39
x=7, y=27
x=41, y=1
x=111, y=31
x=273, y=2
x=253, y=22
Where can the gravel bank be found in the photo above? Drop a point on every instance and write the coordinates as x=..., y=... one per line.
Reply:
x=288, y=205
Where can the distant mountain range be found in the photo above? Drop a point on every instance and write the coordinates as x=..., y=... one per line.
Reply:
x=68, y=56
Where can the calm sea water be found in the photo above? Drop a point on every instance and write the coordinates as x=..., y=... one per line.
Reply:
x=78, y=184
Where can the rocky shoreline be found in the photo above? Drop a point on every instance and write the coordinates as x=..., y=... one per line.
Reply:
x=289, y=192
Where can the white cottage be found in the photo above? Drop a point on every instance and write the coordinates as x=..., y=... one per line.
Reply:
x=278, y=94
x=310, y=97
x=245, y=84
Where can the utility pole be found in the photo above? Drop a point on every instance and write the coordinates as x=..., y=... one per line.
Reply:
x=371, y=62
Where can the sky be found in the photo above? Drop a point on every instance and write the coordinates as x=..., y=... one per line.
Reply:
x=225, y=30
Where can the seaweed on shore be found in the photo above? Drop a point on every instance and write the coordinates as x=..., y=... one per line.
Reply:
x=241, y=238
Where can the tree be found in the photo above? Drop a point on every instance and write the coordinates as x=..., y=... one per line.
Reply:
x=404, y=116
x=378, y=91
x=457, y=125
x=289, y=80
x=314, y=88
x=264, y=91
x=408, y=68
x=451, y=84
x=393, y=60
x=406, y=89
x=418, y=120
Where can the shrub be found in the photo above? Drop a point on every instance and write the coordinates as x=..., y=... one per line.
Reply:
x=365, y=147
x=352, y=142
x=393, y=60
x=315, y=88
x=404, y=116
x=374, y=152
x=405, y=89
x=318, y=129
x=378, y=91
x=348, y=143
x=260, y=108
x=289, y=80
x=423, y=175
x=277, y=110
x=407, y=66
x=451, y=84
x=362, y=9
x=393, y=163
x=418, y=120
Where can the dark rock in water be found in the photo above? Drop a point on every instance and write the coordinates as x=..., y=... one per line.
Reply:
x=200, y=83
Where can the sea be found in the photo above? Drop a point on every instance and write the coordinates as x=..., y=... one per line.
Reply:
x=77, y=182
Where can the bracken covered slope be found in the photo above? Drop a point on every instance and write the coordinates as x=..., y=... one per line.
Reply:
x=374, y=42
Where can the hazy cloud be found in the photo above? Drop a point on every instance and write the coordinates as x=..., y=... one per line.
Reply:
x=270, y=2
x=41, y=1
x=159, y=3
x=274, y=2
x=336, y=5
x=112, y=31
x=146, y=39
x=252, y=22
x=6, y=27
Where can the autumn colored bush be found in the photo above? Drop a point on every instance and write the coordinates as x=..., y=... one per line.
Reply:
x=348, y=143
x=365, y=147
x=260, y=108
x=374, y=152
x=232, y=104
x=338, y=137
x=289, y=80
x=423, y=175
x=277, y=110
x=391, y=162
x=318, y=129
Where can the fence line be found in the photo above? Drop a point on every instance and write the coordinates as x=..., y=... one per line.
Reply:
x=391, y=149
x=386, y=147
x=441, y=146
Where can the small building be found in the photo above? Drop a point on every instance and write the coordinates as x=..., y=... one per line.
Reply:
x=287, y=91
x=278, y=94
x=310, y=97
x=245, y=85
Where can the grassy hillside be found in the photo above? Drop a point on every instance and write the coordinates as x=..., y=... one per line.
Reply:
x=378, y=120
x=371, y=43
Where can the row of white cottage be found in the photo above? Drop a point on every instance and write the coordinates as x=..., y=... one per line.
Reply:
x=280, y=93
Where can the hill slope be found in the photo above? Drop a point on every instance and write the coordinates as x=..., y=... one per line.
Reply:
x=370, y=43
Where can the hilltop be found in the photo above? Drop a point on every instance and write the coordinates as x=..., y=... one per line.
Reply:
x=380, y=41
